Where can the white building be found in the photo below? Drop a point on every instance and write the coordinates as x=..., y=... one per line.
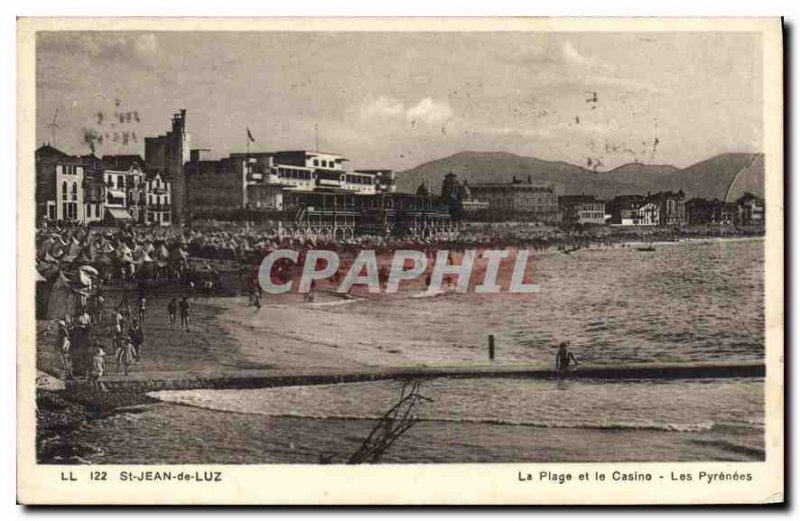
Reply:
x=68, y=204
x=158, y=201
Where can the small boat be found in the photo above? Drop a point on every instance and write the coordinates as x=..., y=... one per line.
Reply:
x=646, y=248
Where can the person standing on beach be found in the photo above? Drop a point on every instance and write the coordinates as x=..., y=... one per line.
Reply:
x=99, y=302
x=63, y=346
x=124, y=353
x=97, y=369
x=564, y=357
x=172, y=312
x=119, y=321
x=136, y=336
x=142, y=308
x=257, y=295
x=184, y=309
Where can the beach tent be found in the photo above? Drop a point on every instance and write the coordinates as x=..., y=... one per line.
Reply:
x=90, y=270
x=42, y=295
x=103, y=260
x=124, y=253
x=74, y=249
x=161, y=253
x=141, y=256
x=91, y=250
x=47, y=269
x=62, y=301
x=44, y=247
x=83, y=259
x=56, y=251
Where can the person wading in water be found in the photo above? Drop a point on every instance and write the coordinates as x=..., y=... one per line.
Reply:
x=563, y=357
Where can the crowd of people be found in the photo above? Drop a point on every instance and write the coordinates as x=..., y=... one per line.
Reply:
x=84, y=339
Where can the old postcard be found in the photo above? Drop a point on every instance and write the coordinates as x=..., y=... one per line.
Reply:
x=400, y=261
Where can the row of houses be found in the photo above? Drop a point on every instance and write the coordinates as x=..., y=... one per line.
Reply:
x=540, y=202
x=671, y=209
x=90, y=189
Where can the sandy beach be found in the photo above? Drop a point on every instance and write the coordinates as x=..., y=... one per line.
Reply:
x=365, y=331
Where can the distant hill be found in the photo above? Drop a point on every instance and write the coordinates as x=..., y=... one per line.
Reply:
x=711, y=178
x=725, y=175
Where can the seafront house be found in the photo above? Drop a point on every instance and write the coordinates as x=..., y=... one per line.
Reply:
x=94, y=192
x=146, y=196
x=747, y=210
x=157, y=200
x=751, y=209
x=519, y=199
x=701, y=211
x=633, y=210
x=123, y=178
x=671, y=207
x=582, y=209
x=59, y=186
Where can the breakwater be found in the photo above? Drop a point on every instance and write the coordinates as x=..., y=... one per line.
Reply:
x=253, y=379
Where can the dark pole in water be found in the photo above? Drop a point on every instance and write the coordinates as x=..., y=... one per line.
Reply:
x=491, y=347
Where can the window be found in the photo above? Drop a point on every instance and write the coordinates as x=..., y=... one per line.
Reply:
x=74, y=190
x=316, y=162
x=64, y=191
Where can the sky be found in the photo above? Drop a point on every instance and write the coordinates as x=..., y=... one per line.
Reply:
x=396, y=100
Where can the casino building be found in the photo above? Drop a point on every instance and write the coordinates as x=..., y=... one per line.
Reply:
x=311, y=193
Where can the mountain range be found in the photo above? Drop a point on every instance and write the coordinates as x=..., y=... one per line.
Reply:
x=726, y=176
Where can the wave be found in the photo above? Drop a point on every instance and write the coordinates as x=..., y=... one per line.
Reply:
x=428, y=294
x=703, y=426
x=334, y=303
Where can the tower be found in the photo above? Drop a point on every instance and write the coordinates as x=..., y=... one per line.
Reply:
x=178, y=156
x=168, y=154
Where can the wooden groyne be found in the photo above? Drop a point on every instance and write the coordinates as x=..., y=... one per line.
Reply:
x=250, y=379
